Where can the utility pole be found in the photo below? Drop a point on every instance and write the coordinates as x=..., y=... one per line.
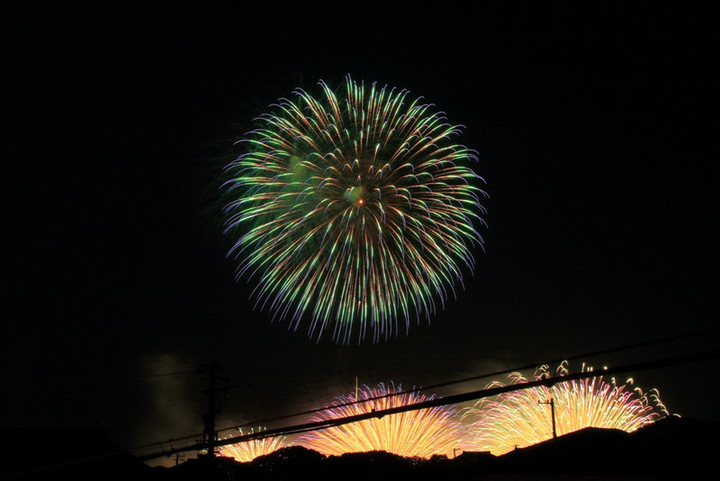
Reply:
x=551, y=402
x=210, y=436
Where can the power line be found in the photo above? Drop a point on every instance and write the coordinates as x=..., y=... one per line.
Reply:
x=452, y=399
x=662, y=340
x=481, y=376
x=94, y=379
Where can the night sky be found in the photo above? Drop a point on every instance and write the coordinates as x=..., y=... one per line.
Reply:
x=596, y=135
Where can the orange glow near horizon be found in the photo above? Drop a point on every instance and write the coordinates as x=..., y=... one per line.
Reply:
x=421, y=433
x=524, y=417
x=249, y=450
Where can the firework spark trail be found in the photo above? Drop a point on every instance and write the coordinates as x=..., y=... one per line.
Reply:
x=248, y=450
x=422, y=433
x=354, y=214
x=521, y=418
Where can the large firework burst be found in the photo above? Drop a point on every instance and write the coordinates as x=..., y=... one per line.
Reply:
x=355, y=212
x=418, y=433
x=524, y=417
x=248, y=450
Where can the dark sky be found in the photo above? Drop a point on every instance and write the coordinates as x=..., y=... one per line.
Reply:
x=596, y=136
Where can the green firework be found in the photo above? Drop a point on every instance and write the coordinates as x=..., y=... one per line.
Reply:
x=354, y=213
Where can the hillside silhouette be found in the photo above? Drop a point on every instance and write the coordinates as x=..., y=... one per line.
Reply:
x=672, y=448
